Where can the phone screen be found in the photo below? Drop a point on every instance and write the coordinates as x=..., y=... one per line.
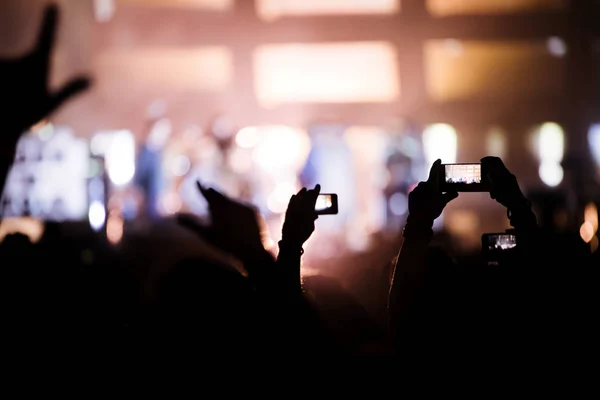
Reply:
x=501, y=242
x=326, y=204
x=498, y=248
x=463, y=178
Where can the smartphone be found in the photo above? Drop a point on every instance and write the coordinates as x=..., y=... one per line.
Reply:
x=463, y=177
x=327, y=204
x=498, y=242
x=498, y=247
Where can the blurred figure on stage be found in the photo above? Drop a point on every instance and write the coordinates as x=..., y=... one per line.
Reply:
x=149, y=175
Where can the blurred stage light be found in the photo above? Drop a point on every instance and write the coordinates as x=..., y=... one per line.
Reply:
x=591, y=215
x=30, y=227
x=120, y=158
x=180, y=165
x=171, y=203
x=496, y=144
x=96, y=215
x=440, y=141
x=248, y=137
x=281, y=148
x=594, y=142
x=399, y=204
x=551, y=142
x=586, y=231
x=556, y=46
x=551, y=173
x=104, y=10
x=114, y=227
x=549, y=146
x=279, y=199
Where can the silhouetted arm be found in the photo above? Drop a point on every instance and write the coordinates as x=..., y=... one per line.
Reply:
x=24, y=95
x=408, y=279
x=425, y=204
x=289, y=262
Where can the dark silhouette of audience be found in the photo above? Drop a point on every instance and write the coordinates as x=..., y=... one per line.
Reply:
x=540, y=296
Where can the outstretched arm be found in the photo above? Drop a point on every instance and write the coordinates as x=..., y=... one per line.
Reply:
x=25, y=97
x=426, y=203
x=298, y=227
x=505, y=189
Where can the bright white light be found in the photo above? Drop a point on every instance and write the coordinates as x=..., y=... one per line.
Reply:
x=398, y=204
x=120, y=158
x=551, y=173
x=104, y=10
x=279, y=199
x=594, y=142
x=556, y=46
x=551, y=143
x=100, y=143
x=240, y=160
x=440, y=141
x=496, y=143
x=180, y=165
x=281, y=148
x=96, y=215
x=46, y=131
x=248, y=137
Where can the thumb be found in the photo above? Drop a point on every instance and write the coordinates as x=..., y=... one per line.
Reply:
x=69, y=90
x=449, y=196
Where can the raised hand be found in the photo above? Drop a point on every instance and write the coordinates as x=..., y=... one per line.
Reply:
x=24, y=81
x=426, y=202
x=235, y=227
x=504, y=187
x=300, y=217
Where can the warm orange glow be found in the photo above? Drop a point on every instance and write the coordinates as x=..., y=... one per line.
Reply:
x=114, y=227
x=213, y=5
x=461, y=70
x=30, y=227
x=591, y=215
x=273, y=9
x=442, y=8
x=594, y=244
x=462, y=222
x=339, y=73
x=204, y=68
x=587, y=232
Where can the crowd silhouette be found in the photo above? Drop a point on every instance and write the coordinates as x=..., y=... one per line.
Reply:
x=542, y=298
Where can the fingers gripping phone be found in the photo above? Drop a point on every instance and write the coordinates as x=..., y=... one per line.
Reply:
x=463, y=177
x=327, y=204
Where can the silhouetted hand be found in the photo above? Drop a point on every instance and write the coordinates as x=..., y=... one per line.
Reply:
x=300, y=217
x=235, y=226
x=504, y=187
x=24, y=82
x=426, y=202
